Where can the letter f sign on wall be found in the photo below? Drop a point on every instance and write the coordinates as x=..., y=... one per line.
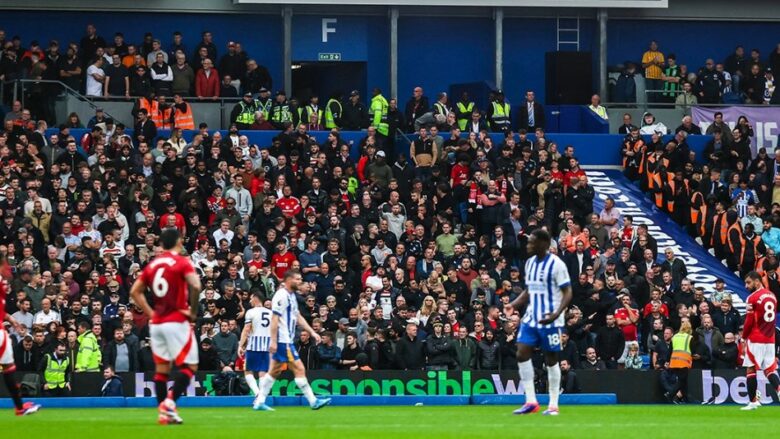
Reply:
x=326, y=29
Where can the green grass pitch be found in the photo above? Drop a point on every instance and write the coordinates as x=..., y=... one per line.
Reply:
x=396, y=422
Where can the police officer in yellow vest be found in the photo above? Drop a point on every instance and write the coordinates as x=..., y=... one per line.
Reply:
x=280, y=111
x=313, y=108
x=243, y=114
x=498, y=114
x=682, y=360
x=378, y=112
x=333, y=112
x=264, y=102
x=55, y=372
x=463, y=110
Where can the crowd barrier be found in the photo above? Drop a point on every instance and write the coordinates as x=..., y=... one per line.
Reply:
x=591, y=149
x=431, y=388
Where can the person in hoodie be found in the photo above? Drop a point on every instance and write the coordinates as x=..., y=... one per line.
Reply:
x=650, y=125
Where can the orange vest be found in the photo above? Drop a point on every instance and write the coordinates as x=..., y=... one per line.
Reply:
x=724, y=229
x=183, y=119
x=738, y=227
x=754, y=242
x=697, y=202
x=149, y=106
x=162, y=119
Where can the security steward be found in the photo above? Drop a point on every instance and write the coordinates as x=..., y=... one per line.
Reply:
x=498, y=114
x=55, y=372
x=243, y=113
x=681, y=361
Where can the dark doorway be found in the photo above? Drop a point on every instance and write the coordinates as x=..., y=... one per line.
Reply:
x=326, y=78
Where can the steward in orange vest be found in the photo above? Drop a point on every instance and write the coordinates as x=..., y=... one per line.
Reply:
x=182, y=114
x=633, y=152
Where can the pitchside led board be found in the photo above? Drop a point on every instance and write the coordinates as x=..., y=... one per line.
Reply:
x=471, y=3
x=329, y=38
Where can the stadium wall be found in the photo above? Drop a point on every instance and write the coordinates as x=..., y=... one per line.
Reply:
x=434, y=52
x=462, y=387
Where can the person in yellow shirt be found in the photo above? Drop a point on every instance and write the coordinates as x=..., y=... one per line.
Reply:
x=653, y=62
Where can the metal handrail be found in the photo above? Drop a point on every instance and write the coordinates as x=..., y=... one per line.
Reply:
x=65, y=87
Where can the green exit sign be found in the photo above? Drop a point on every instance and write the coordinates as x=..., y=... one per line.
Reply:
x=330, y=57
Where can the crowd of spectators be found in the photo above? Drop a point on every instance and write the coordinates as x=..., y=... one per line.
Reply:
x=407, y=260
x=739, y=78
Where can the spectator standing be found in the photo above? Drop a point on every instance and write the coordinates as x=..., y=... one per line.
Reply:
x=91, y=42
x=531, y=114
x=672, y=79
x=207, y=81
x=415, y=107
x=117, y=81
x=410, y=354
x=95, y=77
x=183, y=76
x=652, y=62
x=710, y=83
x=226, y=345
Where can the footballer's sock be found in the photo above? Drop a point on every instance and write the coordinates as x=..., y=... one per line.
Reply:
x=752, y=385
x=161, y=386
x=303, y=384
x=266, y=384
x=554, y=384
x=526, y=370
x=13, y=388
x=181, y=382
x=251, y=381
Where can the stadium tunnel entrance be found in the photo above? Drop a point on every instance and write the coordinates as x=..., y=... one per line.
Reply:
x=324, y=78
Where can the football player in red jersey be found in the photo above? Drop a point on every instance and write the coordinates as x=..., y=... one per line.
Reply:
x=7, y=351
x=175, y=289
x=759, y=333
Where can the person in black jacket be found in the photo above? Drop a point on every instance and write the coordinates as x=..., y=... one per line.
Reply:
x=208, y=356
x=354, y=115
x=113, y=385
x=144, y=130
x=531, y=113
x=416, y=106
x=725, y=356
x=569, y=383
x=440, y=349
x=409, y=351
x=379, y=349
x=115, y=347
x=610, y=342
x=307, y=351
x=710, y=83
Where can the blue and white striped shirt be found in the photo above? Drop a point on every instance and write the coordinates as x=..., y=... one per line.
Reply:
x=545, y=278
x=285, y=305
x=260, y=337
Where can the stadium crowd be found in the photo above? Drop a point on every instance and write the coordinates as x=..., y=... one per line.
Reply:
x=407, y=260
x=737, y=79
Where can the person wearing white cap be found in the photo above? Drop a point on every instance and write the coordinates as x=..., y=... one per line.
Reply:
x=379, y=171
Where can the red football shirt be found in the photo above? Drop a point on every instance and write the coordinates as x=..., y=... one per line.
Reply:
x=760, y=318
x=165, y=276
x=290, y=206
x=281, y=263
x=630, y=330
